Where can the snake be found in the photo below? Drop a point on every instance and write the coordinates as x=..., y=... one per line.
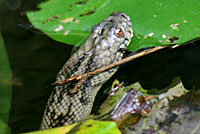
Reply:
x=103, y=47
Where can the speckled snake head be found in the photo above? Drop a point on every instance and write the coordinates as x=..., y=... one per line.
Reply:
x=114, y=32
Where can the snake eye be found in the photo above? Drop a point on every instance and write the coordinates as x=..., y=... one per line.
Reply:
x=119, y=32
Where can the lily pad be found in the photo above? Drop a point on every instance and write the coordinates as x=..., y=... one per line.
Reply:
x=155, y=22
x=86, y=127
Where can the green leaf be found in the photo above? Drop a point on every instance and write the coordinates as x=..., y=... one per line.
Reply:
x=86, y=127
x=154, y=21
x=58, y=130
x=4, y=129
x=5, y=88
x=102, y=127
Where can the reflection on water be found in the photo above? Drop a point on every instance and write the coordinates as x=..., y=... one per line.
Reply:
x=13, y=4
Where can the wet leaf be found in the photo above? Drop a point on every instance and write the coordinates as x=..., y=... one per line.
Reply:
x=86, y=127
x=155, y=22
x=5, y=88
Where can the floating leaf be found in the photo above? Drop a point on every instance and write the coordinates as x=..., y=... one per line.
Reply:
x=155, y=22
x=86, y=127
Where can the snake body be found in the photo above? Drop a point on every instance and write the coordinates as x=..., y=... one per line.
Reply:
x=102, y=48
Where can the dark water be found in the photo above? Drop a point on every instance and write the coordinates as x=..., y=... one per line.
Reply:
x=35, y=60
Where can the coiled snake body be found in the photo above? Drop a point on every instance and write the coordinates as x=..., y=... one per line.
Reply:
x=102, y=48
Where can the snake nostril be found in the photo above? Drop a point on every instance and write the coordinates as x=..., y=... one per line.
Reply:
x=123, y=16
x=129, y=31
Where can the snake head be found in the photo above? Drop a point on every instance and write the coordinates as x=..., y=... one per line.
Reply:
x=113, y=33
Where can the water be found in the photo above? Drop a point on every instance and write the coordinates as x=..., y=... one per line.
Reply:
x=35, y=60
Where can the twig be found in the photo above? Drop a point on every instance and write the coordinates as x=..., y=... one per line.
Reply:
x=79, y=77
x=78, y=85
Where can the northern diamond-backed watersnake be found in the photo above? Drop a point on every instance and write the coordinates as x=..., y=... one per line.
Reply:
x=102, y=48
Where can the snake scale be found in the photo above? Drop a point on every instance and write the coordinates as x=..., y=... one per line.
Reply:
x=101, y=48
